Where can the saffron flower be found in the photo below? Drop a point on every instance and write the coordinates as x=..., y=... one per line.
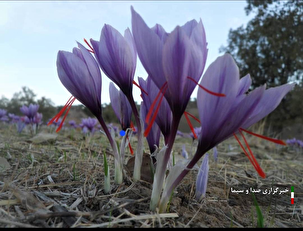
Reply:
x=195, y=133
x=153, y=137
x=20, y=124
x=202, y=178
x=175, y=62
x=38, y=119
x=80, y=74
x=30, y=111
x=3, y=116
x=14, y=118
x=2, y=112
x=179, y=133
x=117, y=57
x=120, y=106
x=88, y=125
x=169, y=58
x=73, y=123
x=223, y=117
x=164, y=117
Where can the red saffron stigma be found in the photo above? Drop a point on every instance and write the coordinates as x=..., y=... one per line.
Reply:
x=155, y=114
x=195, y=118
x=60, y=113
x=265, y=137
x=134, y=82
x=154, y=103
x=67, y=106
x=251, y=158
x=191, y=126
x=132, y=126
x=208, y=91
x=130, y=147
x=92, y=49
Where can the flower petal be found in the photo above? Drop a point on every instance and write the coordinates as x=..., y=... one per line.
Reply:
x=115, y=100
x=153, y=138
x=74, y=75
x=93, y=69
x=202, y=178
x=130, y=40
x=176, y=61
x=159, y=30
x=222, y=76
x=239, y=113
x=244, y=84
x=115, y=57
x=149, y=48
x=189, y=27
x=270, y=100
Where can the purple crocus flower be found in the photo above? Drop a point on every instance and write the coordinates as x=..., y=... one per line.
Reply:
x=37, y=118
x=20, y=125
x=169, y=58
x=117, y=57
x=197, y=131
x=73, y=123
x=2, y=112
x=202, y=178
x=111, y=127
x=120, y=106
x=30, y=111
x=237, y=110
x=223, y=117
x=14, y=118
x=291, y=141
x=4, y=118
x=175, y=62
x=164, y=117
x=295, y=141
x=88, y=125
x=153, y=137
x=179, y=133
x=79, y=72
x=26, y=120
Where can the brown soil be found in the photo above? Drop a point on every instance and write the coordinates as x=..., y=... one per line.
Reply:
x=59, y=183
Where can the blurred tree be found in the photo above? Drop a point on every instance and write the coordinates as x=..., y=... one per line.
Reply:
x=270, y=49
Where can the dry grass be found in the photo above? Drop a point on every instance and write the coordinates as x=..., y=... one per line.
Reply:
x=59, y=183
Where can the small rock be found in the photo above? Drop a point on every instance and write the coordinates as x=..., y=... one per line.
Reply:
x=4, y=165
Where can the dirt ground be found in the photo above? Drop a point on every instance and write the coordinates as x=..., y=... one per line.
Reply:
x=56, y=180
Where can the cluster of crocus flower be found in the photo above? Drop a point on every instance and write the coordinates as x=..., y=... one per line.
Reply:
x=31, y=116
x=295, y=142
x=88, y=125
x=174, y=63
x=3, y=116
x=73, y=124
